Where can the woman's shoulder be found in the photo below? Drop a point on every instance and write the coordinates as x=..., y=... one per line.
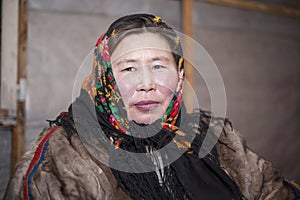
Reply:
x=27, y=165
x=63, y=165
x=255, y=176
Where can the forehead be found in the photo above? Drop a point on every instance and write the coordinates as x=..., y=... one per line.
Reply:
x=143, y=41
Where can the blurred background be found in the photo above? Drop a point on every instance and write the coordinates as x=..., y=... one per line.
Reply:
x=255, y=44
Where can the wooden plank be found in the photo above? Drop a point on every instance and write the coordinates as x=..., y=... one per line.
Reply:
x=9, y=55
x=18, y=137
x=188, y=29
x=252, y=5
x=22, y=48
x=187, y=15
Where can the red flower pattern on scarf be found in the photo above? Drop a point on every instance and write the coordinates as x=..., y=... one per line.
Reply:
x=105, y=53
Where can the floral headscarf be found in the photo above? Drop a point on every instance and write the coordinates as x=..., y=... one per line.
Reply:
x=103, y=91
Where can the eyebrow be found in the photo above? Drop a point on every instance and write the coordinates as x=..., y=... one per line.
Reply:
x=130, y=60
x=162, y=58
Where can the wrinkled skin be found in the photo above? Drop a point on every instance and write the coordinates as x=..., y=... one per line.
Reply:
x=146, y=74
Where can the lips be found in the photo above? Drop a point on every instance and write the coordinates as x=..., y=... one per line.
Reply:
x=146, y=105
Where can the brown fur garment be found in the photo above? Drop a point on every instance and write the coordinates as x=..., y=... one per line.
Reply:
x=68, y=171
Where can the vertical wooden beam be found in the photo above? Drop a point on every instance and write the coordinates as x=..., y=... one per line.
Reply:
x=18, y=139
x=188, y=29
x=22, y=41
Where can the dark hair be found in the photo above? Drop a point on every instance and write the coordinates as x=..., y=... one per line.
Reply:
x=143, y=23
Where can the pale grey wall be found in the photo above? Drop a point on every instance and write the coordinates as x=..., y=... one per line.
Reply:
x=257, y=55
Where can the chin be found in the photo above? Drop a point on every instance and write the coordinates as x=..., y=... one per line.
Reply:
x=144, y=118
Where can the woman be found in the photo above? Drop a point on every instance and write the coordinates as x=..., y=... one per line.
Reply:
x=128, y=136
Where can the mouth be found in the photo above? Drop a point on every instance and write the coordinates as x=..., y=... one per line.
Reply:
x=146, y=105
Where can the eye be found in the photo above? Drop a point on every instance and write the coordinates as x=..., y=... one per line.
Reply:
x=129, y=69
x=158, y=67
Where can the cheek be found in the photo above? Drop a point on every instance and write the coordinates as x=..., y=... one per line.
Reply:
x=127, y=86
x=167, y=82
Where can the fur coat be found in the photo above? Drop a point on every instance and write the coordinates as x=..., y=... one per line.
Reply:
x=68, y=171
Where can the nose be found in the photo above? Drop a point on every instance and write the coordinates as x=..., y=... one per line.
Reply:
x=146, y=81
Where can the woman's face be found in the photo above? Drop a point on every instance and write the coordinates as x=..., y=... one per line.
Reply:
x=146, y=74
